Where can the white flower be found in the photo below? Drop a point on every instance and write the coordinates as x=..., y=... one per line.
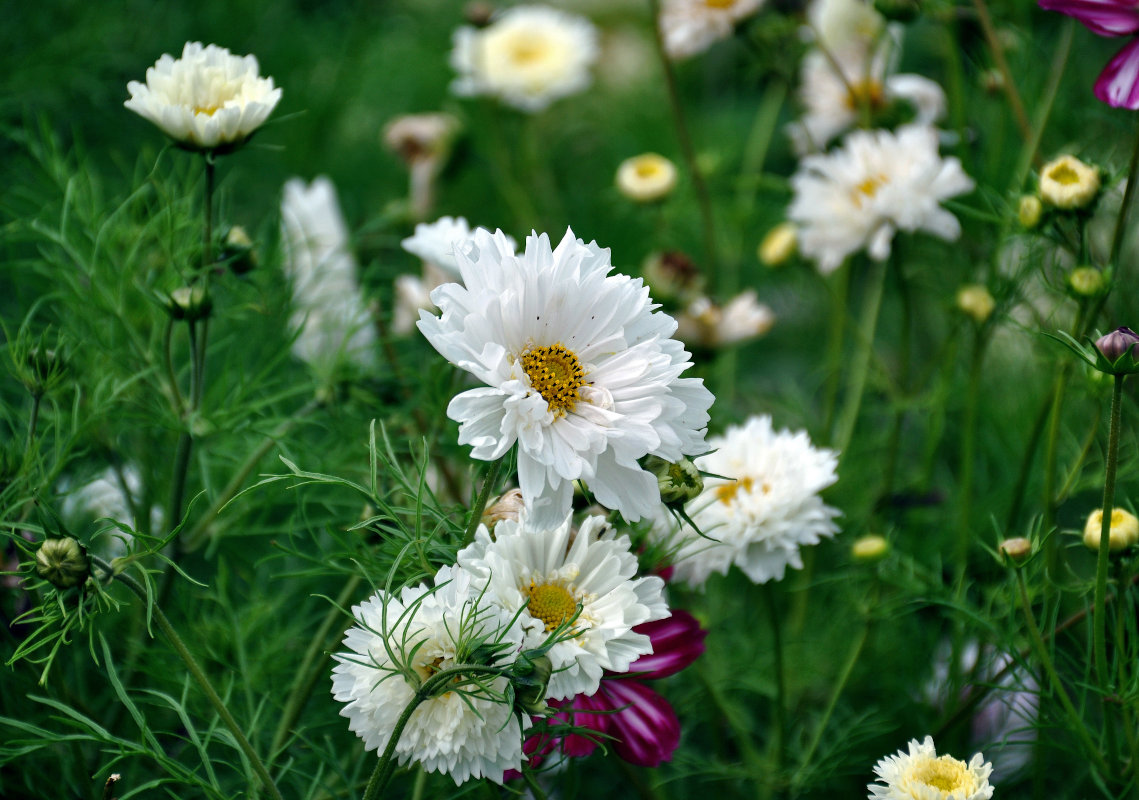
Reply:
x=692, y=26
x=580, y=372
x=328, y=309
x=528, y=57
x=876, y=183
x=921, y=774
x=839, y=25
x=207, y=99
x=706, y=324
x=112, y=494
x=437, y=242
x=764, y=509
x=543, y=575
x=398, y=644
x=646, y=178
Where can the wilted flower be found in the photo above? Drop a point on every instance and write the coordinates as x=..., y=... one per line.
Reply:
x=508, y=506
x=206, y=100
x=706, y=324
x=974, y=300
x=878, y=182
x=1029, y=210
x=1068, y=183
x=1117, y=85
x=1123, y=532
x=580, y=372
x=646, y=178
x=921, y=774
x=779, y=245
x=672, y=275
x=689, y=27
x=528, y=57
x=423, y=141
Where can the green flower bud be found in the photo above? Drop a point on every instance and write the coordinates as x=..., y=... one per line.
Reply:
x=1016, y=549
x=62, y=562
x=678, y=481
x=237, y=251
x=1087, y=282
x=190, y=303
x=870, y=548
x=531, y=679
x=1029, y=211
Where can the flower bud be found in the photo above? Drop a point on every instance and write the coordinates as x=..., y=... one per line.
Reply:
x=478, y=13
x=870, y=548
x=678, y=481
x=1086, y=282
x=507, y=506
x=975, y=301
x=1123, y=532
x=420, y=138
x=237, y=251
x=531, y=680
x=672, y=275
x=1068, y=183
x=646, y=178
x=62, y=562
x=779, y=245
x=1016, y=549
x=1029, y=211
x=1117, y=344
x=190, y=303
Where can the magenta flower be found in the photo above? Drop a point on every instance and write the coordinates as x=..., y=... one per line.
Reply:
x=1118, y=84
x=637, y=723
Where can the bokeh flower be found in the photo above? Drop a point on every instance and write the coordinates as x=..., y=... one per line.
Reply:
x=646, y=178
x=1066, y=182
x=706, y=324
x=528, y=57
x=398, y=643
x=689, y=27
x=1118, y=84
x=920, y=774
x=579, y=372
x=761, y=512
x=208, y=99
x=975, y=301
x=876, y=183
x=545, y=574
x=1122, y=533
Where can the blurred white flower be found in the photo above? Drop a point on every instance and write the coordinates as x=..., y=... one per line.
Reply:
x=706, y=324
x=646, y=178
x=579, y=372
x=208, y=99
x=921, y=774
x=328, y=308
x=876, y=183
x=528, y=57
x=112, y=494
x=840, y=25
x=399, y=642
x=423, y=141
x=437, y=242
x=544, y=574
x=692, y=26
x=761, y=512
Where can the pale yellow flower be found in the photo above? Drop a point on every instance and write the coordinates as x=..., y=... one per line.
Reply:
x=646, y=178
x=1123, y=533
x=1068, y=182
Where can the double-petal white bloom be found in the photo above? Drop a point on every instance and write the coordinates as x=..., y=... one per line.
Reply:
x=878, y=182
x=580, y=372
x=208, y=99
x=921, y=774
x=528, y=57
x=397, y=645
x=328, y=308
x=543, y=575
x=761, y=512
x=689, y=27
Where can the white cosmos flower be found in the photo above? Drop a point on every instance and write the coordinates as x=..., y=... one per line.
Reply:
x=528, y=57
x=437, y=242
x=328, y=308
x=544, y=574
x=921, y=774
x=690, y=27
x=876, y=183
x=208, y=99
x=401, y=641
x=579, y=372
x=765, y=508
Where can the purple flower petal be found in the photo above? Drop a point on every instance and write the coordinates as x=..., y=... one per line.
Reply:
x=1105, y=17
x=677, y=642
x=1118, y=84
x=647, y=731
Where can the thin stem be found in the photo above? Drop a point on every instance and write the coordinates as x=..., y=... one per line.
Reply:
x=904, y=356
x=171, y=377
x=33, y=419
x=1044, y=104
x=838, y=321
x=1027, y=462
x=780, y=680
x=480, y=504
x=703, y=197
x=856, y=386
x=1125, y=207
x=968, y=448
x=998, y=51
x=536, y=789
x=208, y=241
x=196, y=673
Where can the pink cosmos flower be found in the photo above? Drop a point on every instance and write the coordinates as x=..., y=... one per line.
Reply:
x=1118, y=84
x=637, y=723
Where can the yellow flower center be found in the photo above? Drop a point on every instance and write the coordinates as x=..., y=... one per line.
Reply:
x=865, y=94
x=1064, y=175
x=727, y=493
x=526, y=51
x=550, y=603
x=209, y=111
x=647, y=168
x=555, y=373
x=867, y=189
x=946, y=774
x=721, y=4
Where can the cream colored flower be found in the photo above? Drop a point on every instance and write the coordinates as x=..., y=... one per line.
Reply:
x=779, y=245
x=1123, y=533
x=921, y=774
x=528, y=57
x=706, y=324
x=1068, y=182
x=208, y=99
x=646, y=178
x=692, y=26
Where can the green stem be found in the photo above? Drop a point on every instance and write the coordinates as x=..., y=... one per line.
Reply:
x=998, y=52
x=780, y=680
x=742, y=737
x=171, y=377
x=1103, y=673
x=856, y=386
x=1125, y=208
x=480, y=504
x=33, y=419
x=904, y=357
x=838, y=321
x=703, y=197
x=196, y=673
x=968, y=448
x=1059, y=62
x=1027, y=462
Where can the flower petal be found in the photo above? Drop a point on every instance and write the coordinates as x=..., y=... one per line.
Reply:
x=1105, y=17
x=1118, y=84
x=677, y=642
x=646, y=731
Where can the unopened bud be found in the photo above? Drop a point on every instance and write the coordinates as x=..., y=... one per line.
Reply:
x=478, y=13
x=62, y=563
x=975, y=301
x=508, y=506
x=672, y=275
x=1122, y=533
x=1087, y=282
x=679, y=481
x=1068, y=183
x=190, y=303
x=1029, y=211
x=1016, y=549
x=1118, y=343
x=237, y=251
x=779, y=245
x=870, y=548
x=531, y=680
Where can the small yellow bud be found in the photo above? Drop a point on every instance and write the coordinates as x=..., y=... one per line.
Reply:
x=1029, y=211
x=1016, y=549
x=869, y=548
x=779, y=245
x=508, y=506
x=237, y=251
x=62, y=562
x=190, y=303
x=1087, y=282
x=646, y=178
x=1123, y=533
x=975, y=301
x=1068, y=183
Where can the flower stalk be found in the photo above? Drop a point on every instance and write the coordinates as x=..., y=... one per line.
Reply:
x=860, y=370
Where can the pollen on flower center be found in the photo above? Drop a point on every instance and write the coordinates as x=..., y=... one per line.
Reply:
x=1064, y=175
x=946, y=774
x=867, y=93
x=525, y=51
x=727, y=493
x=555, y=373
x=209, y=111
x=867, y=189
x=723, y=4
x=550, y=603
